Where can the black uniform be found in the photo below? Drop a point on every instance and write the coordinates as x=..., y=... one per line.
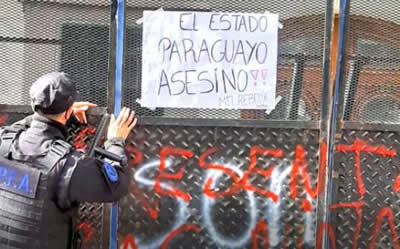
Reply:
x=47, y=221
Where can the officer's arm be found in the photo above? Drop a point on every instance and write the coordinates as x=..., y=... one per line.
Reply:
x=89, y=182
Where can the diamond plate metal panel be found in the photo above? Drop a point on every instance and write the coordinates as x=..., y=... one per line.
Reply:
x=368, y=216
x=190, y=217
x=90, y=214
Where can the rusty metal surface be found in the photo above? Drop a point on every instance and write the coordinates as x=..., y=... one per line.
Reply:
x=374, y=190
x=151, y=218
x=90, y=214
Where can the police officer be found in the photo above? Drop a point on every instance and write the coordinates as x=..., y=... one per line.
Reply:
x=43, y=179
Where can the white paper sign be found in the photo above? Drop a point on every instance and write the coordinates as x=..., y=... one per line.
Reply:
x=209, y=60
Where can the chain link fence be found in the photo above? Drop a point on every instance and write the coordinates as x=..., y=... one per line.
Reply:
x=40, y=36
x=365, y=209
x=301, y=44
x=37, y=37
x=177, y=200
x=371, y=92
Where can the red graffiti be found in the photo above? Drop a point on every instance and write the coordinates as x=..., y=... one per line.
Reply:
x=173, y=234
x=3, y=119
x=89, y=232
x=358, y=147
x=254, y=151
x=300, y=243
x=129, y=242
x=300, y=167
x=286, y=241
x=165, y=152
x=320, y=233
x=79, y=140
x=137, y=156
x=234, y=189
x=260, y=227
x=151, y=211
x=306, y=206
x=396, y=186
x=358, y=208
x=300, y=175
x=385, y=212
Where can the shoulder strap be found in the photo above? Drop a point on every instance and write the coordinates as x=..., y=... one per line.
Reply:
x=58, y=150
x=7, y=138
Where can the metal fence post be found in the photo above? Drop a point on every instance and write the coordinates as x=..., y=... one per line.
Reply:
x=343, y=27
x=119, y=59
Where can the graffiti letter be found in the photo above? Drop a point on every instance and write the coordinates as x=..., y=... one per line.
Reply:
x=165, y=152
x=300, y=166
x=254, y=151
x=358, y=147
x=396, y=186
x=129, y=241
x=385, y=212
x=322, y=227
x=235, y=188
x=153, y=208
x=137, y=156
x=238, y=240
x=89, y=232
x=306, y=206
x=151, y=211
x=184, y=228
x=358, y=207
x=287, y=237
x=261, y=227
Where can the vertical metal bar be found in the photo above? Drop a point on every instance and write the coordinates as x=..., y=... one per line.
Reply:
x=119, y=59
x=297, y=86
x=325, y=109
x=111, y=58
x=106, y=218
x=119, y=56
x=340, y=69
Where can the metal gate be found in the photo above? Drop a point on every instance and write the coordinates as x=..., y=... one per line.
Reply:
x=309, y=174
x=207, y=178
x=365, y=206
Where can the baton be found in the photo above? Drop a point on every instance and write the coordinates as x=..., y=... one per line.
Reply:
x=94, y=149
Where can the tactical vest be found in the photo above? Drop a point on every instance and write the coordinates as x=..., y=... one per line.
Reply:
x=29, y=216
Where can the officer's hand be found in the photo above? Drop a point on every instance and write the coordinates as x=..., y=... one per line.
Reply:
x=121, y=127
x=79, y=110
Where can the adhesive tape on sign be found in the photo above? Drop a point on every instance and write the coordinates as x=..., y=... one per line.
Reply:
x=111, y=172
